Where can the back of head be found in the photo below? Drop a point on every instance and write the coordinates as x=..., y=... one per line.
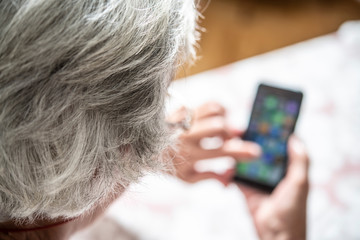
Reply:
x=82, y=87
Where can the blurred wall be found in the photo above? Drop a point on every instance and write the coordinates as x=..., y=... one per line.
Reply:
x=238, y=29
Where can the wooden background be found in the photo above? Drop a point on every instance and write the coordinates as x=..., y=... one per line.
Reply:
x=238, y=29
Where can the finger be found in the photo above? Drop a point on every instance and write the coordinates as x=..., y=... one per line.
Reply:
x=179, y=115
x=211, y=127
x=229, y=175
x=240, y=149
x=299, y=162
x=236, y=148
x=209, y=109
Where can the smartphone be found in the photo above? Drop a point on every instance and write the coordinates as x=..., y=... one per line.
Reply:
x=273, y=118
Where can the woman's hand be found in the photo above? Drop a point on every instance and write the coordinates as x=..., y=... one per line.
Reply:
x=282, y=215
x=209, y=121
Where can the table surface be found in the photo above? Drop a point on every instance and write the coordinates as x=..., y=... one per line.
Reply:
x=327, y=70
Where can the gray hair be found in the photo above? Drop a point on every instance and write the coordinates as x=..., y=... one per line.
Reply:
x=82, y=88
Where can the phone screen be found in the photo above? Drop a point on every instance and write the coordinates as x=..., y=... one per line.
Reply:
x=273, y=118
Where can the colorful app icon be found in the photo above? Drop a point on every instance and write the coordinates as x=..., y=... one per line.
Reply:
x=275, y=131
x=268, y=158
x=264, y=128
x=271, y=102
x=253, y=170
x=291, y=107
x=260, y=140
x=242, y=168
x=278, y=118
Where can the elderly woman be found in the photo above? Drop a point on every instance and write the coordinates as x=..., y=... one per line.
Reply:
x=82, y=90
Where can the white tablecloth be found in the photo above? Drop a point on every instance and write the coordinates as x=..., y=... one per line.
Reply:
x=327, y=70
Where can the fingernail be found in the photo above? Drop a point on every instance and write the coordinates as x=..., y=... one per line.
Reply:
x=254, y=149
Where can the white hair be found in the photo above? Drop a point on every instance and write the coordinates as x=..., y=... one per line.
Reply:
x=82, y=88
